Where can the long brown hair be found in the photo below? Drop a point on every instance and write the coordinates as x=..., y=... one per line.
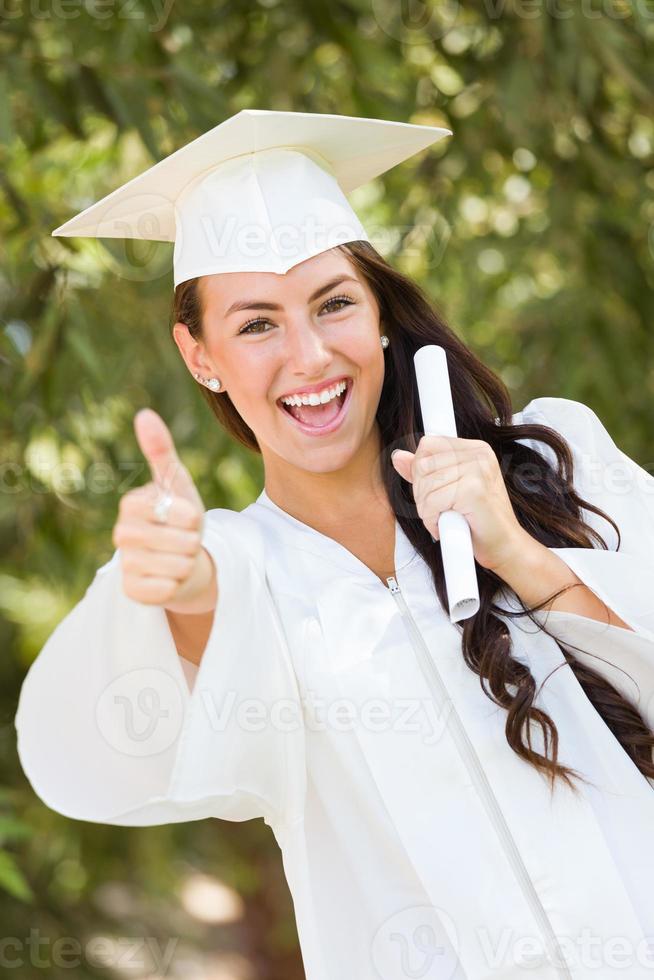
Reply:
x=551, y=513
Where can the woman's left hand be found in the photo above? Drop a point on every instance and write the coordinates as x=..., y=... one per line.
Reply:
x=464, y=475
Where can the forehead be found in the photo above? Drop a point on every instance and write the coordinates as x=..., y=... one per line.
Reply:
x=221, y=290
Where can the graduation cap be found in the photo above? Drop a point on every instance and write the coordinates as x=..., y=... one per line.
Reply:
x=260, y=192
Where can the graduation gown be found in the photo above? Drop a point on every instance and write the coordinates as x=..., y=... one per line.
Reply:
x=415, y=842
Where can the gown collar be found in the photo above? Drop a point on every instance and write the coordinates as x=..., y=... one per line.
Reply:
x=325, y=547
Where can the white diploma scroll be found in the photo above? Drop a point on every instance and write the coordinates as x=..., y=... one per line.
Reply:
x=454, y=531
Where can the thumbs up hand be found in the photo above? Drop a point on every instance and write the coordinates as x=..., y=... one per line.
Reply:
x=164, y=564
x=168, y=471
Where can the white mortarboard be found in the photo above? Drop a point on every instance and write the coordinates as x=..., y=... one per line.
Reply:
x=260, y=192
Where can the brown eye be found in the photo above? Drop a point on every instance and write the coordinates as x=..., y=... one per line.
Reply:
x=338, y=299
x=252, y=323
x=246, y=328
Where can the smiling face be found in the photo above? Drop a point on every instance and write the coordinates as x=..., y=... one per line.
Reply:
x=266, y=335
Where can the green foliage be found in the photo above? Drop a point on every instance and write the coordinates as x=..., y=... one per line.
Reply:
x=12, y=878
x=532, y=228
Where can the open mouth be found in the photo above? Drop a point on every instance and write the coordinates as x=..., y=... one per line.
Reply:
x=319, y=419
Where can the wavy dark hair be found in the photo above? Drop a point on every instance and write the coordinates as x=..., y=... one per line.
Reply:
x=551, y=513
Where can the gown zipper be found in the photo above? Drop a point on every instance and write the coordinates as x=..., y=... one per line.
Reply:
x=469, y=755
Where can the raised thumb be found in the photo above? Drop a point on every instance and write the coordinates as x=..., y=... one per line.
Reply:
x=156, y=443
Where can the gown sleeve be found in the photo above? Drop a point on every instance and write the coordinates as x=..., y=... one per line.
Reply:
x=112, y=727
x=623, y=578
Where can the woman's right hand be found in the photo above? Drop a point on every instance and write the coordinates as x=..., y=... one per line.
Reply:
x=164, y=564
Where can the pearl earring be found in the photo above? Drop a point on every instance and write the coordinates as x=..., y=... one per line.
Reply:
x=384, y=341
x=212, y=383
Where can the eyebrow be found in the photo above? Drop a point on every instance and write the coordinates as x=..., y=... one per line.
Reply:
x=253, y=304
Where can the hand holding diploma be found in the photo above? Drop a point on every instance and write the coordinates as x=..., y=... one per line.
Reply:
x=458, y=488
x=164, y=564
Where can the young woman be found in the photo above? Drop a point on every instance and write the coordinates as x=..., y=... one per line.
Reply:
x=489, y=815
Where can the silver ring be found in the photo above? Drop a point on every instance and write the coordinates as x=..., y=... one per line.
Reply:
x=161, y=507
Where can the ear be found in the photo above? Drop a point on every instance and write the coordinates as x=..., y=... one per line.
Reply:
x=191, y=350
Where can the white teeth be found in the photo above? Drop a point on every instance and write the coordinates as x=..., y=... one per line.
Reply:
x=314, y=398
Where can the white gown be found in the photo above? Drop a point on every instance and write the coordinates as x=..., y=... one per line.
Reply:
x=415, y=842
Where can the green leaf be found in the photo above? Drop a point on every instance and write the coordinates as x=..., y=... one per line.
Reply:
x=6, y=130
x=13, y=829
x=13, y=880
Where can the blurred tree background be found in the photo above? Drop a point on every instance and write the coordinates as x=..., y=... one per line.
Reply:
x=532, y=228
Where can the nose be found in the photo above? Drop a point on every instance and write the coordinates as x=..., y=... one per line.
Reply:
x=307, y=353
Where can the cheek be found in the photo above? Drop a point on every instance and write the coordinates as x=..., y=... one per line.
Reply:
x=365, y=351
x=247, y=380
x=252, y=401
x=374, y=364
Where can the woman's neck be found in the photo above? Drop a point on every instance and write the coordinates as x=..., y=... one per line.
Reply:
x=358, y=517
x=334, y=503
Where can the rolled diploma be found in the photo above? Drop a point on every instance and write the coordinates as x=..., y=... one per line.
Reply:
x=456, y=543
